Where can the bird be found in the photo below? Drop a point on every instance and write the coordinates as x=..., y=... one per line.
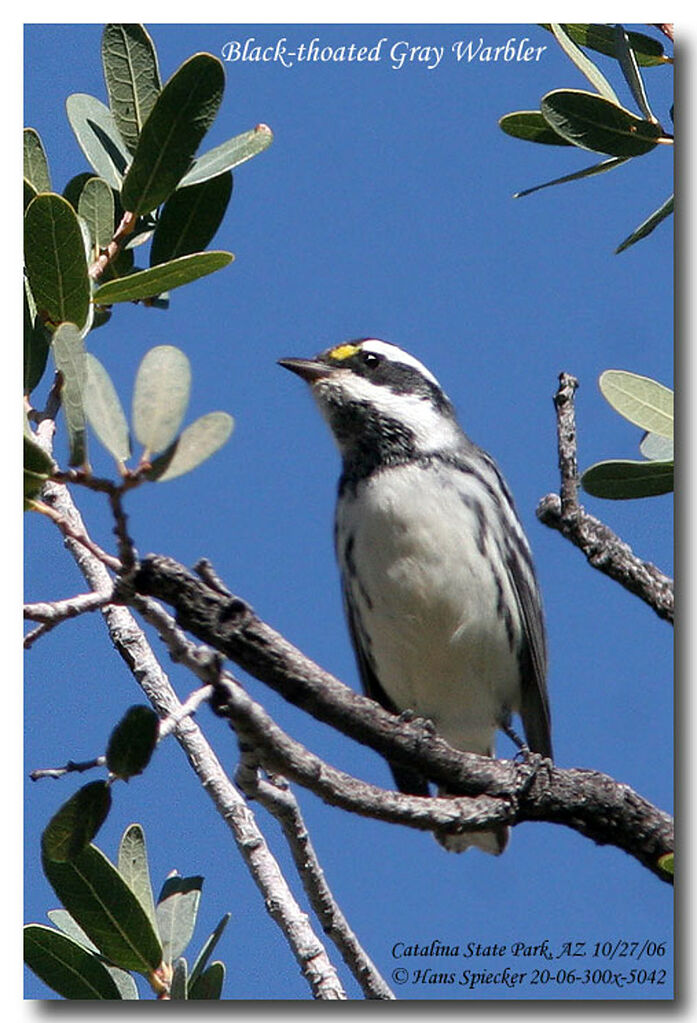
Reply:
x=439, y=587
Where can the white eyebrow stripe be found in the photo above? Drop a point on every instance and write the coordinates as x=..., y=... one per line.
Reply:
x=395, y=354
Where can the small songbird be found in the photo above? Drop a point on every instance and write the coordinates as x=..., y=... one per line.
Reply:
x=439, y=587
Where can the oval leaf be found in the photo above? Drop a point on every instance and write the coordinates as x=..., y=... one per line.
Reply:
x=133, y=867
x=37, y=468
x=228, y=155
x=69, y=357
x=592, y=122
x=132, y=742
x=641, y=400
x=55, y=262
x=65, y=923
x=104, y=412
x=74, y=826
x=181, y=116
x=178, y=987
x=145, y=284
x=160, y=396
x=530, y=126
x=177, y=908
x=584, y=64
x=65, y=966
x=649, y=52
x=132, y=78
x=102, y=904
x=190, y=218
x=98, y=137
x=210, y=983
x=35, y=162
x=197, y=442
x=622, y=480
x=657, y=448
x=37, y=340
x=96, y=207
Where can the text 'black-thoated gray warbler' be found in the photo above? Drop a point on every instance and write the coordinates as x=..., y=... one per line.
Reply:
x=439, y=586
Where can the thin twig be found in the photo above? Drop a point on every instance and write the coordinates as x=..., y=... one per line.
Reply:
x=275, y=795
x=70, y=767
x=125, y=228
x=601, y=546
x=52, y=613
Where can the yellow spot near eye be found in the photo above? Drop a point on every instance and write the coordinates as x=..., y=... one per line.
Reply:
x=342, y=352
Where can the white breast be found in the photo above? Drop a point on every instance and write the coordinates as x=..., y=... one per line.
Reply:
x=430, y=601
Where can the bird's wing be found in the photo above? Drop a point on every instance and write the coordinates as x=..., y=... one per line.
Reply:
x=534, y=710
x=407, y=779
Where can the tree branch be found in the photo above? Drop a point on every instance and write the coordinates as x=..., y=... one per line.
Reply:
x=133, y=647
x=587, y=801
x=603, y=548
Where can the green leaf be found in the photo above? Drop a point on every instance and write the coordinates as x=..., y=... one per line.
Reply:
x=132, y=742
x=133, y=867
x=584, y=64
x=96, y=207
x=592, y=122
x=587, y=172
x=530, y=126
x=667, y=863
x=145, y=284
x=132, y=78
x=69, y=357
x=648, y=225
x=98, y=137
x=601, y=38
x=228, y=155
x=37, y=468
x=181, y=116
x=54, y=256
x=73, y=189
x=28, y=194
x=641, y=400
x=210, y=983
x=190, y=218
x=177, y=908
x=104, y=412
x=632, y=75
x=624, y=479
x=160, y=396
x=657, y=448
x=65, y=966
x=37, y=340
x=207, y=951
x=197, y=442
x=178, y=989
x=65, y=923
x=76, y=823
x=102, y=904
x=35, y=163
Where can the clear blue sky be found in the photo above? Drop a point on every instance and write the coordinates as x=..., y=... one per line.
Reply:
x=383, y=208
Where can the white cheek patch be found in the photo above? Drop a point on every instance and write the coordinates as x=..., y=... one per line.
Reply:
x=395, y=354
x=432, y=431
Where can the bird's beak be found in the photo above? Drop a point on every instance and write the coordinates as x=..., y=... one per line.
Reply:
x=309, y=369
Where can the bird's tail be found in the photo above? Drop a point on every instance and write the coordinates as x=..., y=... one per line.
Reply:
x=492, y=841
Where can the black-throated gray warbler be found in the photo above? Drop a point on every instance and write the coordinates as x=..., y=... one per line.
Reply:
x=439, y=586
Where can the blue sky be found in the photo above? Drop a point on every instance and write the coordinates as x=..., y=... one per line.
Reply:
x=383, y=208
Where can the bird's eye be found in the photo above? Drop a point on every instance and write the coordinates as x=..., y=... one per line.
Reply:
x=370, y=359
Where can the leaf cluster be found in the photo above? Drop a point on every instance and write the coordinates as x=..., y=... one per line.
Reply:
x=597, y=121
x=110, y=926
x=648, y=405
x=147, y=183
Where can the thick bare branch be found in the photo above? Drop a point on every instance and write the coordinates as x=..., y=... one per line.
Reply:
x=589, y=802
x=603, y=548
